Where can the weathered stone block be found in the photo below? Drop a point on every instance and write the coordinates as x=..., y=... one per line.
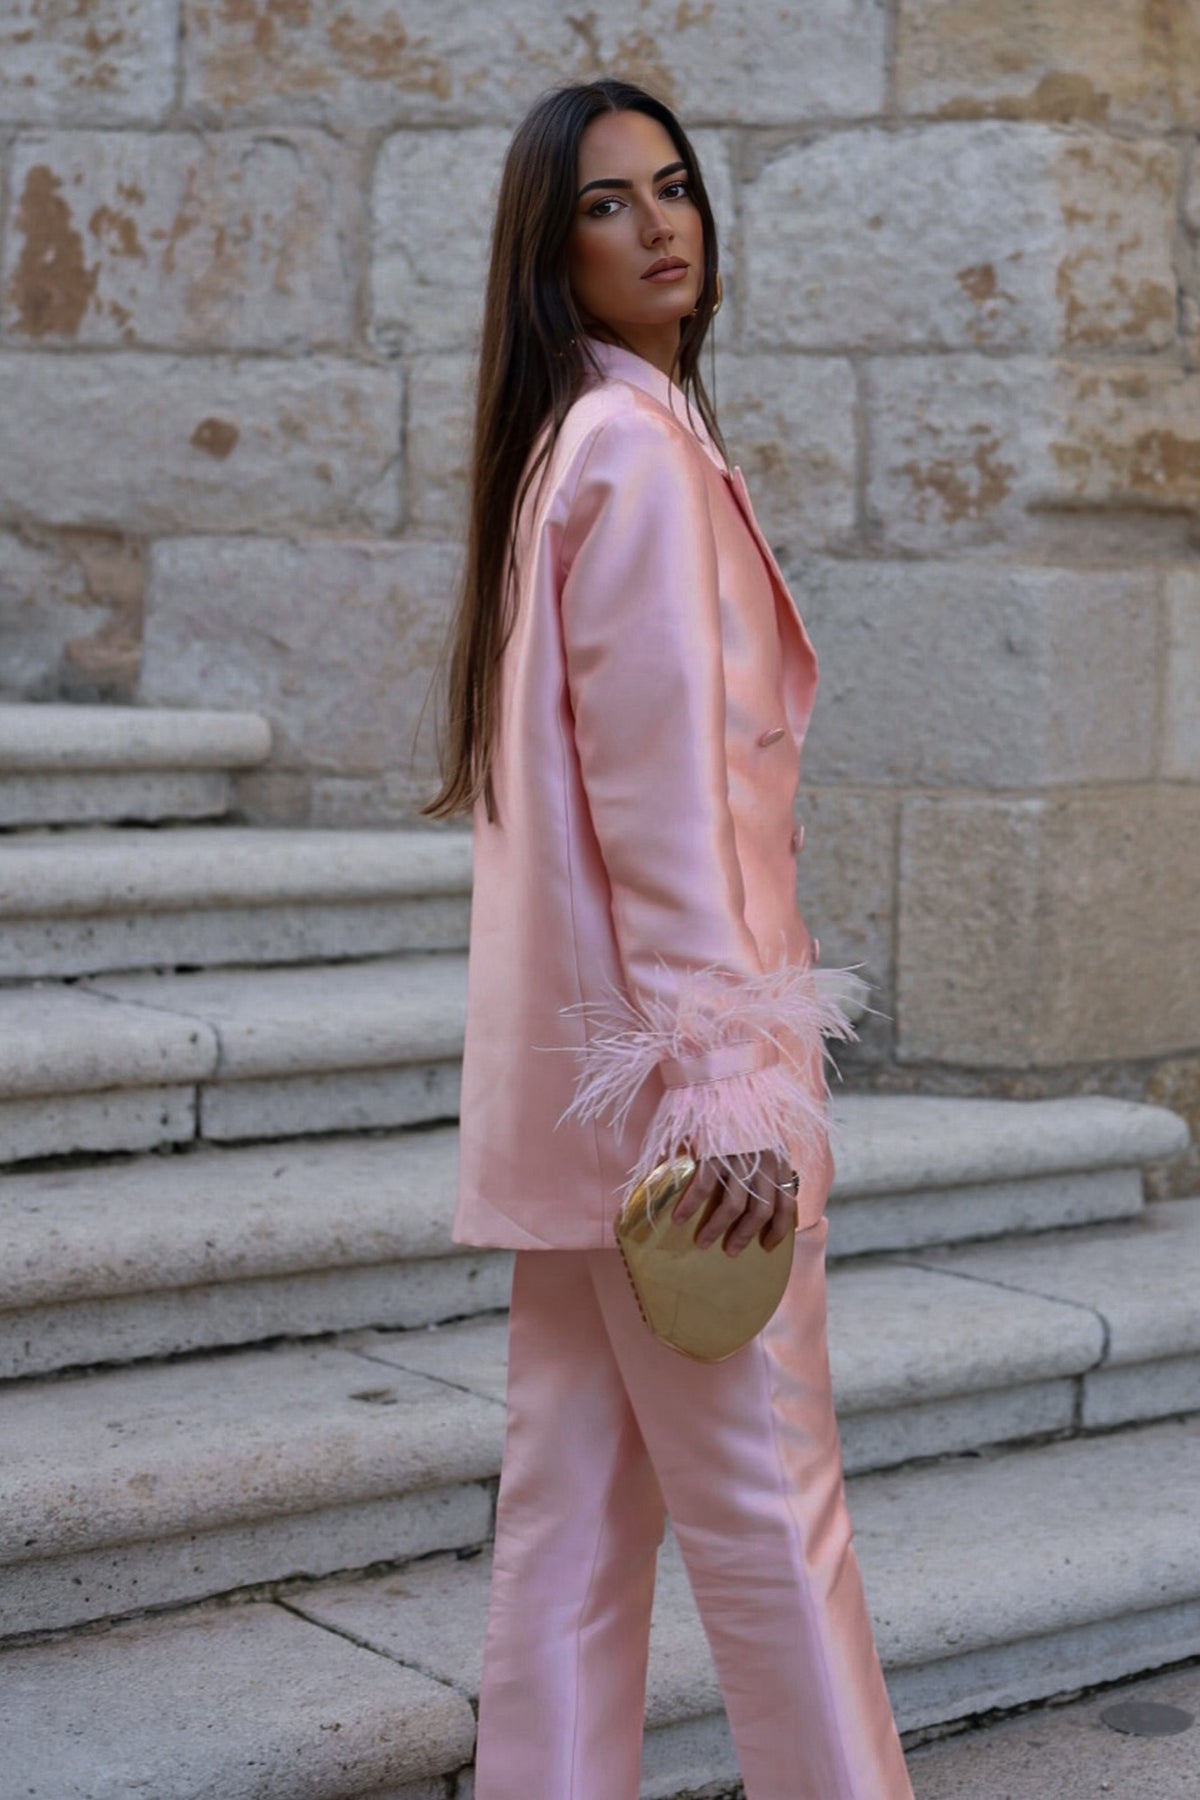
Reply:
x=979, y=675
x=106, y=62
x=967, y=931
x=962, y=236
x=978, y=451
x=365, y=64
x=1175, y=1083
x=427, y=272
x=1181, y=712
x=1061, y=59
x=789, y=422
x=437, y=442
x=1042, y=931
x=234, y=238
x=333, y=640
x=845, y=887
x=393, y=798
x=164, y=443
x=70, y=615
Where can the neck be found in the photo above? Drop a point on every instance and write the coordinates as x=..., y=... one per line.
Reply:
x=655, y=344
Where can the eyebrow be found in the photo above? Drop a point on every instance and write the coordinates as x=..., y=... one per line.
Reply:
x=618, y=181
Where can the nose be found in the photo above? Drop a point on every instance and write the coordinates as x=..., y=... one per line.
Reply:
x=658, y=227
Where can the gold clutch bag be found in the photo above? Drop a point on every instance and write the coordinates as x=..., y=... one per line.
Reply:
x=702, y=1302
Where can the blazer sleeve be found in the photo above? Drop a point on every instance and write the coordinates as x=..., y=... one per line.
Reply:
x=732, y=1041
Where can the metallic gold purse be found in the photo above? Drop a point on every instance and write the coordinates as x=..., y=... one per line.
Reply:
x=702, y=1302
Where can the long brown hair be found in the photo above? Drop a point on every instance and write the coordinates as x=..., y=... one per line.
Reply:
x=533, y=364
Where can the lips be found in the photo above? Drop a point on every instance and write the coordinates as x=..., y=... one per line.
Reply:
x=666, y=265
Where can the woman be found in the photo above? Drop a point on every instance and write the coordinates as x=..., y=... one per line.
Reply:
x=629, y=689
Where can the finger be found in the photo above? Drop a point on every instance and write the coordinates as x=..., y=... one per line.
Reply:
x=731, y=1203
x=758, y=1212
x=710, y=1175
x=783, y=1221
x=756, y=1196
x=772, y=1212
x=697, y=1194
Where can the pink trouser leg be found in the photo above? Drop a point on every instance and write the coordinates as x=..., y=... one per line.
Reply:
x=579, y=1521
x=749, y=1461
x=746, y=1455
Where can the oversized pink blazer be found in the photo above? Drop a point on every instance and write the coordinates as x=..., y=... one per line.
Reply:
x=640, y=978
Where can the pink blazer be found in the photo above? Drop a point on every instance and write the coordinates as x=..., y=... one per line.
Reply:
x=639, y=976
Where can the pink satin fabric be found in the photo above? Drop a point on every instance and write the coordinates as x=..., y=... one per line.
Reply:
x=606, y=1426
x=655, y=693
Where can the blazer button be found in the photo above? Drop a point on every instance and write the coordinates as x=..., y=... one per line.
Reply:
x=797, y=840
x=772, y=736
x=816, y=949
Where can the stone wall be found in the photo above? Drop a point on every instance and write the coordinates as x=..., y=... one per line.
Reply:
x=242, y=246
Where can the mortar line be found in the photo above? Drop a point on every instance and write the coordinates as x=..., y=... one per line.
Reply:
x=457, y=1387
x=290, y=1604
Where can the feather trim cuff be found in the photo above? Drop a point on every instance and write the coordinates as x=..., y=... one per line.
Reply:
x=735, y=1053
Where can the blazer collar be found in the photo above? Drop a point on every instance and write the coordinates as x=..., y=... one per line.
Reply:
x=619, y=364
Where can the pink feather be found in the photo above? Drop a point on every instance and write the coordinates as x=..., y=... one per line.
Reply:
x=739, y=1114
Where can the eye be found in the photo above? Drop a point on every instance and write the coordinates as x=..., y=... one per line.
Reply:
x=680, y=187
x=594, y=211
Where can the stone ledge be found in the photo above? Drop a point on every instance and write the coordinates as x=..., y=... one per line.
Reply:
x=1140, y=1280
x=154, y=1485
x=254, y=936
x=131, y=1030
x=255, y=1211
x=95, y=901
x=236, y=1704
x=96, y=872
x=46, y=737
x=226, y=1215
x=292, y=1021
x=913, y=1141
x=57, y=1040
x=230, y=1245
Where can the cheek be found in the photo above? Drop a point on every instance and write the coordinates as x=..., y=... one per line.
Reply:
x=595, y=257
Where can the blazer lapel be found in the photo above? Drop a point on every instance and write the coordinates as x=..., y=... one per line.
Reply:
x=800, y=676
x=800, y=669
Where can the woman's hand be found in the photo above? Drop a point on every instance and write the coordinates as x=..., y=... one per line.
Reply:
x=748, y=1205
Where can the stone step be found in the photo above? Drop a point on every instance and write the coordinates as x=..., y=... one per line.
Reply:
x=155, y=1485
x=227, y=1245
x=170, y=1482
x=82, y=764
x=951, y=1350
x=991, y=1582
x=103, y=899
x=127, y=1062
x=131, y=1061
x=1075, y=1750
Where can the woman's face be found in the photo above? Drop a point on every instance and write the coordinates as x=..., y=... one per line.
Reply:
x=634, y=211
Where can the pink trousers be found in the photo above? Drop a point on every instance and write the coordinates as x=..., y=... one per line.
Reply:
x=607, y=1432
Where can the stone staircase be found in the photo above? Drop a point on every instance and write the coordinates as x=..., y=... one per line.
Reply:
x=252, y=1395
